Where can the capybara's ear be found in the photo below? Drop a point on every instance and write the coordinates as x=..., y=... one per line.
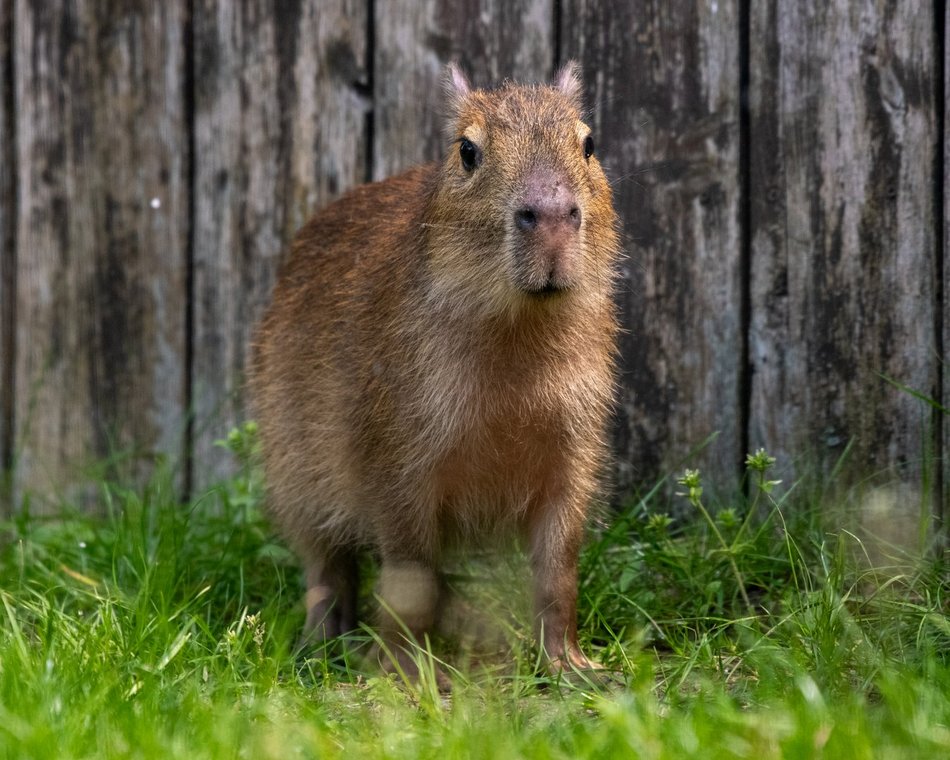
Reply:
x=568, y=82
x=456, y=87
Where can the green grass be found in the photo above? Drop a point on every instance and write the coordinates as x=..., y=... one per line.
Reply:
x=759, y=629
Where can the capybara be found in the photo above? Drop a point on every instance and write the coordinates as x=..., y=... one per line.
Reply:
x=437, y=366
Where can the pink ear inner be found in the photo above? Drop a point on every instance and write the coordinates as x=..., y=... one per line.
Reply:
x=455, y=82
x=568, y=81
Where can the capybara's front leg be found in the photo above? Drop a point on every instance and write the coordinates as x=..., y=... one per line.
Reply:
x=554, y=543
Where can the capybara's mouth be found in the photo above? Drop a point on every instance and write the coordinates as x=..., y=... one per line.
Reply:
x=548, y=290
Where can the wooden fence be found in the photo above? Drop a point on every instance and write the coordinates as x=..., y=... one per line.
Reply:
x=780, y=167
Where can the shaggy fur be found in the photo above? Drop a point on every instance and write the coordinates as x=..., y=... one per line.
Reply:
x=430, y=372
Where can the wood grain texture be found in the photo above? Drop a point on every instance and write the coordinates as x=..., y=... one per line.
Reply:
x=101, y=233
x=663, y=80
x=491, y=39
x=7, y=254
x=843, y=238
x=943, y=510
x=102, y=199
x=279, y=130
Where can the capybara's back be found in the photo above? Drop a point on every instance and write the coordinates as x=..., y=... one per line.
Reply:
x=437, y=364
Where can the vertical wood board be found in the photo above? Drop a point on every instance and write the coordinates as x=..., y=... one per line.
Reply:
x=663, y=83
x=492, y=40
x=101, y=233
x=279, y=130
x=843, y=238
x=7, y=253
x=943, y=511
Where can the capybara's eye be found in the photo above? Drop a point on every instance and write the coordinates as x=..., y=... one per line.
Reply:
x=470, y=154
x=588, y=147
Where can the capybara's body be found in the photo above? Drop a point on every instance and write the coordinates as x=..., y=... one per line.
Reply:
x=437, y=364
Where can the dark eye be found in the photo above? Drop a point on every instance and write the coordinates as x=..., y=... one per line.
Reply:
x=470, y=154
x=588, y=147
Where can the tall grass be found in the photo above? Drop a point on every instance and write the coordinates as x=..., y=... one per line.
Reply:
x=759, y=629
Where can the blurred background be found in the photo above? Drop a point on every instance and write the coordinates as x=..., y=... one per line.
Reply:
x=780, y=169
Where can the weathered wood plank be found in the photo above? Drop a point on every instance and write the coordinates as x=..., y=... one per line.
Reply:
x=663, y=80
x=279, y=130
x=491, y=40
x=842, y=219
x=101, y=152
x=943, y=510
x=7, y=253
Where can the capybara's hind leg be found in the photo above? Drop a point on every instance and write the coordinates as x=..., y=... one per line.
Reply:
x=332, y=585
x=409, y=596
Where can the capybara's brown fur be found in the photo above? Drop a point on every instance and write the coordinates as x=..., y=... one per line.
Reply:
x=437, y=365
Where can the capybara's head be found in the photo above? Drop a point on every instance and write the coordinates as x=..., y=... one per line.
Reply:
x=523, y=211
